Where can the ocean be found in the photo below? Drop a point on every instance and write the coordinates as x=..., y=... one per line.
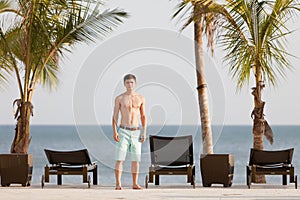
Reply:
x=236, y=140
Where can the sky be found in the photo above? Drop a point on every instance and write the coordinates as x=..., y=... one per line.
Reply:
x=150, y=45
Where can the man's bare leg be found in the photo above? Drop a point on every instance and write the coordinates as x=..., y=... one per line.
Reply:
x=118, y=174
x=135, y=175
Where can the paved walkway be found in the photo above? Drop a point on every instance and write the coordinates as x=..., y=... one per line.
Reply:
x=81, y=192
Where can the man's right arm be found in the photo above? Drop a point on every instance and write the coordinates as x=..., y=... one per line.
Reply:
x=115, y=119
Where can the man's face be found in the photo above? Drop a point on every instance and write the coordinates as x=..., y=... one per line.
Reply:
x=129, y=84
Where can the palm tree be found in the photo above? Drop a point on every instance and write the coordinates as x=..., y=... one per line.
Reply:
x=40, y=33
x=254, y=39
x=205, y=23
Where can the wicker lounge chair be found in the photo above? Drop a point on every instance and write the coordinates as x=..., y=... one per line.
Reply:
x=69, y=163
x=271, y=163
x=171, y=156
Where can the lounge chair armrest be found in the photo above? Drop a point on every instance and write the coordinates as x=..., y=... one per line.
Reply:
x=191, y=165
x=287, y=165
x=255, y=166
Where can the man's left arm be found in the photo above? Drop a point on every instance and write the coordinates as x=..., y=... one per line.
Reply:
x=143, y=119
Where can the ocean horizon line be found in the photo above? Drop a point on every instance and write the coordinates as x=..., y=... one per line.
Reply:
x=236, y=125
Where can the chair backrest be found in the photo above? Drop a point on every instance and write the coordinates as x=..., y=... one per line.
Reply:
x=171, y=151
x=77, y=157
x=262, y=157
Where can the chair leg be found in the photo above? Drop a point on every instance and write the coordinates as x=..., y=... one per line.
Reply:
x=59, y=179
x=284, y=179
x=47, y=174
x=95, y=175
x=156, y=179
x=151, y=175
x=249, y=176
x=84, y=174
x=189, y=174
x=193, y=182
x=146, y=181
x=187, y=178
x=292, y=178
x=249, y=180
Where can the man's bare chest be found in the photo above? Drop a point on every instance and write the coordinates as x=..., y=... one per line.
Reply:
x=131, y=102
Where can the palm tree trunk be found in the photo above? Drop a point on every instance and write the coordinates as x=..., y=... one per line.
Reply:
x=258, y=120
x=202, y=90
x=22, y=131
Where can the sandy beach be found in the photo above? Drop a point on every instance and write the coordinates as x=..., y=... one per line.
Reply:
x=51, y=192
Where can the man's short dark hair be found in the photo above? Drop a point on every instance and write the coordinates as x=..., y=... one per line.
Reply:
x=129, y=76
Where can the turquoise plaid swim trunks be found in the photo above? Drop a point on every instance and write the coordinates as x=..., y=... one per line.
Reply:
x=129, y=142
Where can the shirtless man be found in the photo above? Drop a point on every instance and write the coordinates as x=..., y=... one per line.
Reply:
x=127, y=136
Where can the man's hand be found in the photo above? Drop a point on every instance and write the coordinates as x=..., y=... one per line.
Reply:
x=143, y=138
x=116, y=137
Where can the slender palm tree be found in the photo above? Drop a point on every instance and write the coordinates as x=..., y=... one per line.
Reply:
x=40, y=33
x=205, y=23
x=254, y=38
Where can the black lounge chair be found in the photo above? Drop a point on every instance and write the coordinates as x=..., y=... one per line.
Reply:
x=171, y=156
x=271, y=163
x=69, y=163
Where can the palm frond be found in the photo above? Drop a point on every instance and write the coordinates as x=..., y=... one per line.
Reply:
x=80, y=24
x=4, y=69
x=263, y=24
x=4, y=4
x=6, y=7
x=97, y=26
x=44, y=30
x=49, y=74
x=184, y=13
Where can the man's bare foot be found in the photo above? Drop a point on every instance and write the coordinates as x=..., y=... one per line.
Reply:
x=137, y=187
x=119, y=187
